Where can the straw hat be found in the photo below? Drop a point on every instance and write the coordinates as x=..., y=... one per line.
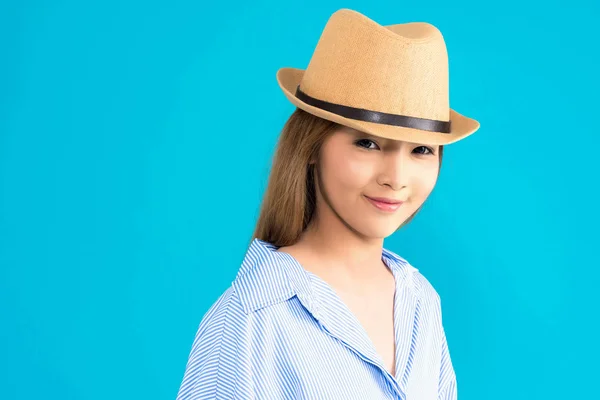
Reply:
x=390, y=81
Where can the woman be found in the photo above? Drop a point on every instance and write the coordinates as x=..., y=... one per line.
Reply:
x=319, y=308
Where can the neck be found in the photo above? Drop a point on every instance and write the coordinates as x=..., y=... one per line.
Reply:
x=343, y=253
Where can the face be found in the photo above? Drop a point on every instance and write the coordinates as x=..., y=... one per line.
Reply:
x=354, y=166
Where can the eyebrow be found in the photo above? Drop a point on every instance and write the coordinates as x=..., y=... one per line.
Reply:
x=374, y=137
x=366, y=134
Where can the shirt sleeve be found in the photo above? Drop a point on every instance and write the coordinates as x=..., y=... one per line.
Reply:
x=217, y=368
x=447, y=385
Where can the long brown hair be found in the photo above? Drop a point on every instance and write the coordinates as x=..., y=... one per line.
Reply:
x=290, y=199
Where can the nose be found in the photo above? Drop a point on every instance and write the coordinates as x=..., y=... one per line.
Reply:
x=396, y=169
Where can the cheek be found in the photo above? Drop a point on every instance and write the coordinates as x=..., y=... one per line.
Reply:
x=349, y=174
x=424, y=186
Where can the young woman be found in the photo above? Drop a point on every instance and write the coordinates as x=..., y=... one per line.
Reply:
x=319, y=308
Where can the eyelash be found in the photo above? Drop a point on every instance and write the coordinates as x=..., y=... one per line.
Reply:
x=431, y=152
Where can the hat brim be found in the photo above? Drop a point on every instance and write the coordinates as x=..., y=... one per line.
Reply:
x=461, y=126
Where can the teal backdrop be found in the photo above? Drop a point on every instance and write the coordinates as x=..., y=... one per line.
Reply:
x=135, y=144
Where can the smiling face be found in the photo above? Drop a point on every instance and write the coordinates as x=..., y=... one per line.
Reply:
x=354, y=165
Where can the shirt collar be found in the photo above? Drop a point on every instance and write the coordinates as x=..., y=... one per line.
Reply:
x=268, y=277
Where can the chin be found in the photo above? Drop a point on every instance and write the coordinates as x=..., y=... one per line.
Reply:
x=379, y=231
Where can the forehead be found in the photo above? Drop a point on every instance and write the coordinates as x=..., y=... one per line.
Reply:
x=352, y=132
x=356, y=132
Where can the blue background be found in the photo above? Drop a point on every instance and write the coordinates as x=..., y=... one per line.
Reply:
x=135, y=141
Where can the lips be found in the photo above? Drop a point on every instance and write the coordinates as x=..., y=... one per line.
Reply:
x=385, y=200
x=384, y=205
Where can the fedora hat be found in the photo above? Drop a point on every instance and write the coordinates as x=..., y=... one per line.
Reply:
x=390, y=81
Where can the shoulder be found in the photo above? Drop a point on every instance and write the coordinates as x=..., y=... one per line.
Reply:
x=226, y=311
x=425, y=289
x=421, y=286
x=428, y=300
x=214, y=359
x=220, y=328
x=264, y=281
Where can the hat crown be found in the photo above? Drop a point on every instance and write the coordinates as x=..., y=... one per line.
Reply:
x=398, y=69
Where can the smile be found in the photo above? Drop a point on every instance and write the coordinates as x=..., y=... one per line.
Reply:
x=389, y=207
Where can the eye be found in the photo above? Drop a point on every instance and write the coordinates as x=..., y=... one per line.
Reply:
x=429, y=149
x=365, y=144
x=361, y=142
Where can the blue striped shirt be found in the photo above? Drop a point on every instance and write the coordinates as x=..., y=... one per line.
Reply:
x=281, y=332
